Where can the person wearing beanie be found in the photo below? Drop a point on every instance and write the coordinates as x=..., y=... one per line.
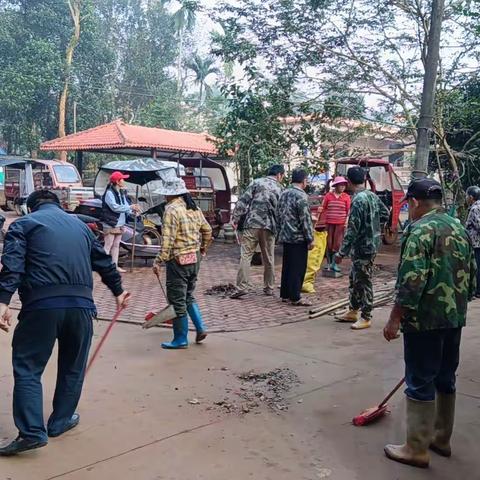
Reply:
x=361, y=243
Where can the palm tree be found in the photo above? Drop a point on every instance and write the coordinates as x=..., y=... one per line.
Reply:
x=202, y=67
x=184, y=18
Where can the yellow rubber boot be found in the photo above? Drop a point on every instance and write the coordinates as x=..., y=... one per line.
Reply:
x=444, y=418
x=350, y=316
x=420, y=421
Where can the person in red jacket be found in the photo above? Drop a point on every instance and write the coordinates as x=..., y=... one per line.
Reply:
x=336, y=206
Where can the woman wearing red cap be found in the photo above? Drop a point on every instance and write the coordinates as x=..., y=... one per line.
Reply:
x=115, y=208
x=336, y=206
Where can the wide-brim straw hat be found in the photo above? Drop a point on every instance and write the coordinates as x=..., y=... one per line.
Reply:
x=172, y=187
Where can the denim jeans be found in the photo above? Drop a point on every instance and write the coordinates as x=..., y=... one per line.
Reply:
x=431, y=361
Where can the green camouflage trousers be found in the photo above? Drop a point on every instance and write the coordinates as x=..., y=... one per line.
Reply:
x=361, y=288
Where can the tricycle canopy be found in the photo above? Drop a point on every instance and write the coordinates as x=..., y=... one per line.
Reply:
x=146, y=175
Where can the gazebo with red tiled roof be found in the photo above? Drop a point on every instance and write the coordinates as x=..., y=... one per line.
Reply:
x=120, y=138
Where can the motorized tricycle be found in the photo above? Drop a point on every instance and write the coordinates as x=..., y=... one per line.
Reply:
x=383, y=181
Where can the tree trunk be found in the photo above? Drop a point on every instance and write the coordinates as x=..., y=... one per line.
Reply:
x=425, y=121
x=75, y=6
x=33, y=150
x=179, y=61
x=201, y=94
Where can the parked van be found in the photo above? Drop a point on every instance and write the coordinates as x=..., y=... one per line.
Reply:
x=24, y=175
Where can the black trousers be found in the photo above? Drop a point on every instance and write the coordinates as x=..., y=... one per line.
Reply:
x=33, y=342
x=431, y=362
x=294, y=266
x=477, y=259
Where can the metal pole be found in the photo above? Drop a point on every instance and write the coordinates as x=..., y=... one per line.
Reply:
x=150, y=196
x=134, y=237
x=29, y=183
x=79, y=155
x=425, y=121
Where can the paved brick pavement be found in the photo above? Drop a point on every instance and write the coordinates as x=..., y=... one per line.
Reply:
x=224, y=314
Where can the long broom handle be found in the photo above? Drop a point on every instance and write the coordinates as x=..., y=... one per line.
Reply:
x=392, y=393
x=105, y=335
x=161, y=286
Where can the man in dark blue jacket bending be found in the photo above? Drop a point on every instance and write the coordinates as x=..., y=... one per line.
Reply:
x=49, y=256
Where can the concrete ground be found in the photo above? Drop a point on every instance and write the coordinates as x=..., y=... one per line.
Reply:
x=137, y=422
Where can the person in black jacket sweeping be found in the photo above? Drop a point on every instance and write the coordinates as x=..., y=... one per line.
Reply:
x=49, y=256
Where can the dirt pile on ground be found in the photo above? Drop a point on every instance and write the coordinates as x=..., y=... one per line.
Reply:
x=268, y=388
x=224, y=290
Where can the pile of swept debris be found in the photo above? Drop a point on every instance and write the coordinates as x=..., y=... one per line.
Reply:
x=269, y=388
x=221, y=290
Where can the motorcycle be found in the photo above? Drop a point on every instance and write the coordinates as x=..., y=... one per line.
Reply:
x=142, y=234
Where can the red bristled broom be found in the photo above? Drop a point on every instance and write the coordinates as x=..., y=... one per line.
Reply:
x=371, y=414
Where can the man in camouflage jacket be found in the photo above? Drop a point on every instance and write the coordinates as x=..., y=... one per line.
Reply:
x=436, y=279
x=472, y=226
x=361, y=242
x=255, y=218
x=296, y=235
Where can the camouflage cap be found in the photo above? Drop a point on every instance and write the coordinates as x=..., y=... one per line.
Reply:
x=424, y=189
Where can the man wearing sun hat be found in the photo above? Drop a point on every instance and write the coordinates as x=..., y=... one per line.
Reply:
x=186, y=236
x=436, y=279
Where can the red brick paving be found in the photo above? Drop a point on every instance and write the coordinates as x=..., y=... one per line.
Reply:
x=224, y=314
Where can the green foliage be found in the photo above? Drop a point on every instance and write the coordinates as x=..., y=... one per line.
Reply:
x=164, y=111
x=123, y=66
x=256, y=130
x=202, y=68
x=461, y=118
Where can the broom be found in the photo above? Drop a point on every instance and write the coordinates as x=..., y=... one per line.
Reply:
x=105, y=335
x=371, y=414
x=166, y=315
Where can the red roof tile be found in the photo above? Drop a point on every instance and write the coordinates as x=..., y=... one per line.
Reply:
x=120, y=135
